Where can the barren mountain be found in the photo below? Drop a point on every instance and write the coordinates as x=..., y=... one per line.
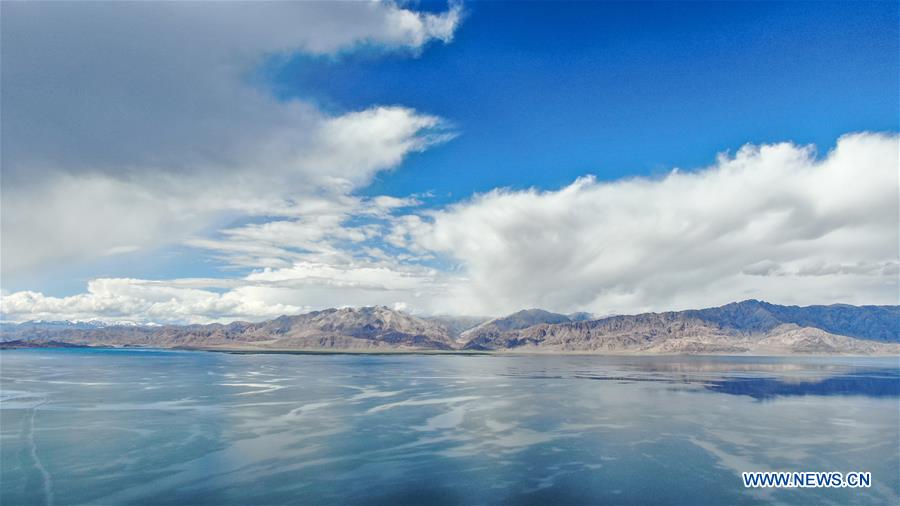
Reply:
x=366, y=327
x=742, y=327
x=519, y=320
x=457, y=325
x=617, y=333
x=347, y=328
x=877, y=323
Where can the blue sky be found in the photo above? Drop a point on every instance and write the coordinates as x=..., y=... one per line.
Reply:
x=203, y=165
x=544, y=92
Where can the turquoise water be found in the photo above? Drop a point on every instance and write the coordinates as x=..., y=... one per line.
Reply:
x=172, y=427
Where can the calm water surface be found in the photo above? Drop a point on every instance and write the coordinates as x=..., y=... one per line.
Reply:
x=170, y=427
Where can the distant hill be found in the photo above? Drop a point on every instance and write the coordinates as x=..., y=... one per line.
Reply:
x=456, y=325
x=743, y=327
x=878, y=323
x=347, y=328
x=519, y=320
x=8, y=345
x=68, y=324
x=580, y=317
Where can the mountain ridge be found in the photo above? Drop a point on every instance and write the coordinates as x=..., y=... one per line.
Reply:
x=749, y=326
x=519, y=320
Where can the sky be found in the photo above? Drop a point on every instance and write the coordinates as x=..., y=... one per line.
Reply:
x=199, y=162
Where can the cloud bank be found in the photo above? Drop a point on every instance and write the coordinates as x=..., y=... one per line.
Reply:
x=775, y=222
x=132, y=125
x=771, y=222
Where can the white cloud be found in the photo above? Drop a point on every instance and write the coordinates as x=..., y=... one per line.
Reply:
x=142, y=300
x=772, y=222
x=132, y=125
x=263, y=294
x=86, y=215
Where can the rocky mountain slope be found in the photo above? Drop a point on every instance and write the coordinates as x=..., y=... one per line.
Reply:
x=878, y=323
x=516, y=321
x=367, y=327
x=347, y=328
x=744, y=327
x=750, y=326
x=457, y=325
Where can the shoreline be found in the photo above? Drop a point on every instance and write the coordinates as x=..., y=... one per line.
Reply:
x=532, y=353
x=549, y=353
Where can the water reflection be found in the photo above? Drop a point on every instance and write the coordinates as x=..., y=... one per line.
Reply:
x=883, y=383
x=114, y=427
x=757, y=377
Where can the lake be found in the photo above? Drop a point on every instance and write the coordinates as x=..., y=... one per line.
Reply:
x=174, y=427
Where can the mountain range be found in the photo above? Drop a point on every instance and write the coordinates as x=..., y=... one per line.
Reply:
x=742, y=327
